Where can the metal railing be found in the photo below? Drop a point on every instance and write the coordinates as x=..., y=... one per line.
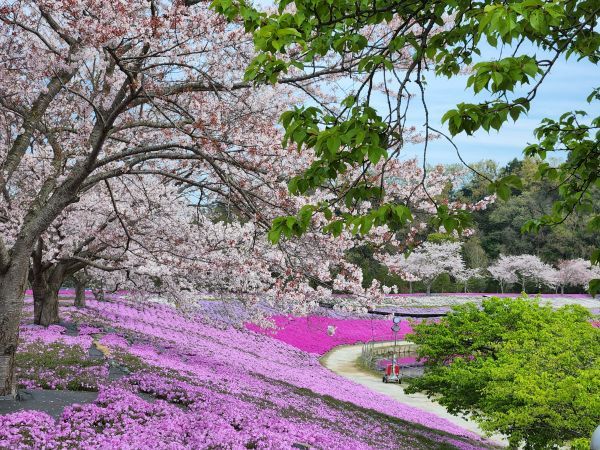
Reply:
x=370, y=353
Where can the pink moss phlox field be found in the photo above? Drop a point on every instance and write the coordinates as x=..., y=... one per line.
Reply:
x=54, y=333
x=46, y=359
x=221, y=357
x=209, y=387
x=310, y=333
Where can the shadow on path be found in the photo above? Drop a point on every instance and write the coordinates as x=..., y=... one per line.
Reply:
x=51, y=402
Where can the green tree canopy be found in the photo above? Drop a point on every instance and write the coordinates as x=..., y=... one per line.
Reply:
x=518, y=368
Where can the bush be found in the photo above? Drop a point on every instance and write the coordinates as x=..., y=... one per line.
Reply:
x=518, y=368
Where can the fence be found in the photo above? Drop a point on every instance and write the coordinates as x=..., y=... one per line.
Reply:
x=371, y=353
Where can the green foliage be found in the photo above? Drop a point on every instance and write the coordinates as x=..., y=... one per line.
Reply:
x=129, y=362
x=391, y=214
x=519, y=368
x=499, y=227
x=474, y=254
x=443, y=283
x=578, y=178
x=372, y=269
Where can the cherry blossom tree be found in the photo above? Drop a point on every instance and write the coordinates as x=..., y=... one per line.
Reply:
x=509, y=269
x=502, y=271
x=91, y=92
x=547, y=277
x=574, y=272
x=411, y=278
x=112, y=227
x=467, y=274
x=427, y=262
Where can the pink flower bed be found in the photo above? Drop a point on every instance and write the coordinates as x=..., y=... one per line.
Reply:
x=223, y=388
x=310, y=333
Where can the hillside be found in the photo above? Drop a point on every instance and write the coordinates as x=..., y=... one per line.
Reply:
x=165, y=380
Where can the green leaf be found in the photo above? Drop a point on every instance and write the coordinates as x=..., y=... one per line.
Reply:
x=503, y=191
x=333, y=144
x=595, y=259
x=375, y=154
x=274, y=235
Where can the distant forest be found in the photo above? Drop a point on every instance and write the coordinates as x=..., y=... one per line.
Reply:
x=498, y=229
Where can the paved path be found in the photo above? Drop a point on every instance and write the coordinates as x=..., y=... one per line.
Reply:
x=51, y=402
x=343, y=361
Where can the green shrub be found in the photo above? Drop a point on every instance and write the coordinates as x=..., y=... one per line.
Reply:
x=518, y=368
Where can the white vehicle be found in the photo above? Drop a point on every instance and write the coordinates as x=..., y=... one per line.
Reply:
x=392, y=374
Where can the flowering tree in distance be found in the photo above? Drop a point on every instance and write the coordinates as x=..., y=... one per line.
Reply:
x=427, y=262
x=574, y=272
x=502, y=271
x=411, y=278
x=467, y=274
x=509, y=269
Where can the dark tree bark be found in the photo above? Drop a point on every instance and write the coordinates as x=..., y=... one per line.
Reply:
x=46, y=287
x=99, y=293
x=12, y=286
x=79, y=291
x=46, y=280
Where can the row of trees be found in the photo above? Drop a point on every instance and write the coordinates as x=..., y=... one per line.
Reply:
x=430, y=260
x=134, y=153
x=508, y=270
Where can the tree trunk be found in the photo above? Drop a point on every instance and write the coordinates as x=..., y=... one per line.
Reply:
x=45, y=306
x=523, y=284
x=46, y=286
x=429, y=289
x=465, y=287
x=12, y=287
x=39, y=286
x=410, y=287
x=562, y=290
x=98, y=294
x=79, y=291
x=98, y=291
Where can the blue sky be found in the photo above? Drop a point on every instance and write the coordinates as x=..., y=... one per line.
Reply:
x=565, y=89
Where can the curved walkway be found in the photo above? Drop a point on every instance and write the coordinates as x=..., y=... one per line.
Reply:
x=343, y=361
